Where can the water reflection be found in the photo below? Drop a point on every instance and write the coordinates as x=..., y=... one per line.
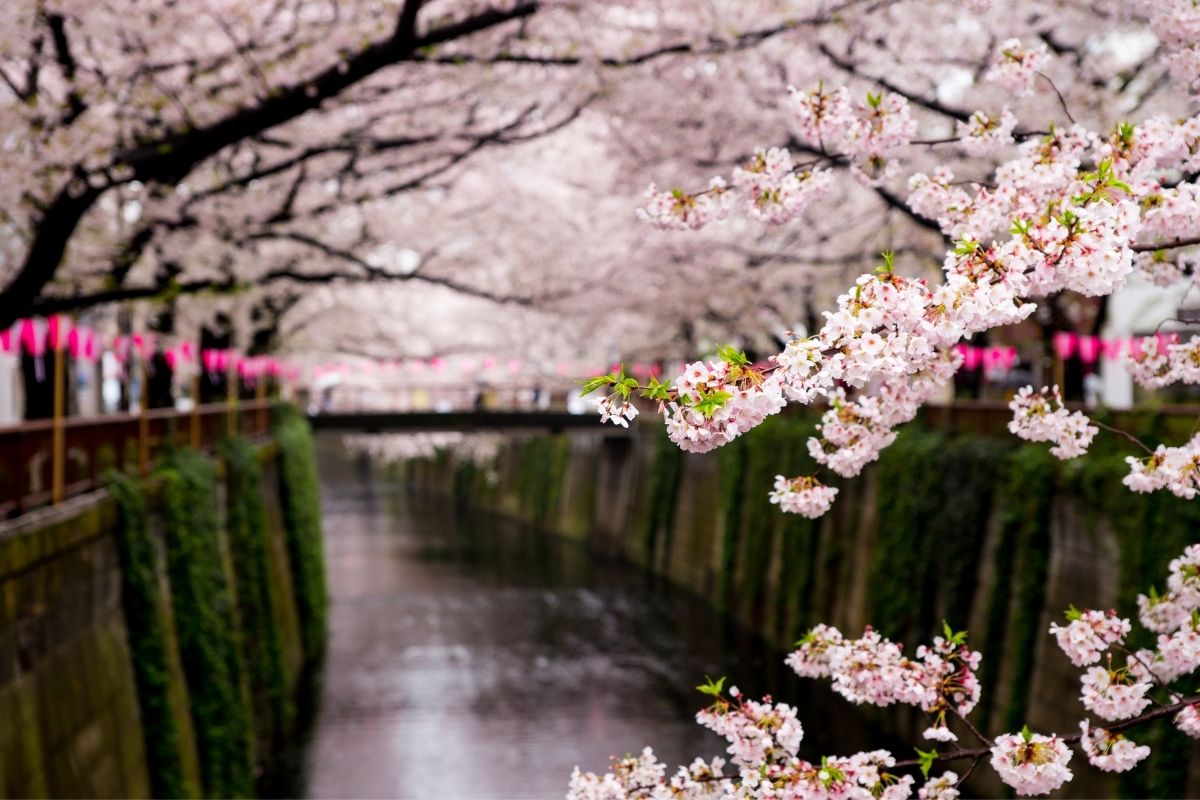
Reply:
x=470, y=657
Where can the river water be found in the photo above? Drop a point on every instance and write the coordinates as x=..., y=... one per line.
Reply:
x=472, y=657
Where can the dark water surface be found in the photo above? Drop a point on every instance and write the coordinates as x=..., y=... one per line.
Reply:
x=471, y=657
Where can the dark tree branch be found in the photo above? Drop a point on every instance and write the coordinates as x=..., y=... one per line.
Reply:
x=1174, y=243
x=169, y=159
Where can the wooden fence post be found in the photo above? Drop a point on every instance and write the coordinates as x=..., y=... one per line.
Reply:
x=231, y=396
x=58, y=455
x=195, y=415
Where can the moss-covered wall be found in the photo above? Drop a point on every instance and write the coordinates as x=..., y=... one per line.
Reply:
x=150, y=638
x=986, y=533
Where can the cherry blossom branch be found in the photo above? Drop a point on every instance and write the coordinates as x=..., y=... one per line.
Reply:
x=1115, y=727
x=971, y=727
x=1124, y=433
x=1150, y=248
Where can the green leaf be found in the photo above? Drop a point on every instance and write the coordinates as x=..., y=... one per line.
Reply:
x=656, y=390
x=926, y=758
x=711, y=687
x=732, y=356
x=592, y=384
x=1026, y=734
x=966, y=247
x=1072, y=613
x=711, y=402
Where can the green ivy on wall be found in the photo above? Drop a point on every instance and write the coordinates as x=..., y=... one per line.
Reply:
x=1143, y=560
x=1025, y=521
x=300, y=497
x=902, y=588
x=731, y=469
x=206, y=626
x=258, y=607
x=149, y=641
x=801, y=536
x=665, y=472
x=542, y=467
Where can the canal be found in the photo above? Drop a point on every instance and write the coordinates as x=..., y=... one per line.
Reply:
x=472, y=657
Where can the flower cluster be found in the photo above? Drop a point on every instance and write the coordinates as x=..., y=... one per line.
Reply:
x=772, y=187
x=865, y=131
x=1188, y=720
x=764, y=736
x=1030, y=763
x=758, y=732
x=618, y=412
x=1110, y=752
x=1176, y=469
x=1177, y=25
x=1161, y=361
x=678, y=210
x=1161, y=270
x=875, y=671
x=1073, y=202
x=644, y=776
x=804, y=495
x=1041, y=417
x=1168, y=612
x=984, y=134
x=943, y=787
x=1015, y=67
x=715, y=402
x=775, y=190
x=1089, y=633
x=1114, y=694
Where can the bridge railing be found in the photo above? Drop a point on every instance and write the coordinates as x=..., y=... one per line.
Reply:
x=46, y=461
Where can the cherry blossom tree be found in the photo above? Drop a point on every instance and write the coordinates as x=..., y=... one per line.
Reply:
x=1046, y=193
x=1118, y=686
x=1057, y=207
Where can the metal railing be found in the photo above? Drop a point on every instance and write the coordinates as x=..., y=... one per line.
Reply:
x=46, y=461
x=991, y=417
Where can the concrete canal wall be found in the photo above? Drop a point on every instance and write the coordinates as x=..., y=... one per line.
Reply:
x=152, y=634
x=986, y=533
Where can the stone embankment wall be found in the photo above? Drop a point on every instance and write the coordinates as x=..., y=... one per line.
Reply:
x=983, y=532
x=152, y=635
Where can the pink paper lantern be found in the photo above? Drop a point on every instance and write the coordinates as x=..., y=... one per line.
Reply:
x=32, y=339
x=1089, y=349
x=1111, y=348
x=972, y=356
x=1065, y=344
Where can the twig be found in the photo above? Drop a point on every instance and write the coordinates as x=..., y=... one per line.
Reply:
x=1061, y=99
x=1150, y=248
x=971, y=727
x=1126, y=434
x=970, y=769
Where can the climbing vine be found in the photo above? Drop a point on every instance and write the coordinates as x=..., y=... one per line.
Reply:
x=150, y=642
x=206, y=626
x=258, y=607
x=1143, y=558
x=300, y=497
x=902, y=585
x=665, y=471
